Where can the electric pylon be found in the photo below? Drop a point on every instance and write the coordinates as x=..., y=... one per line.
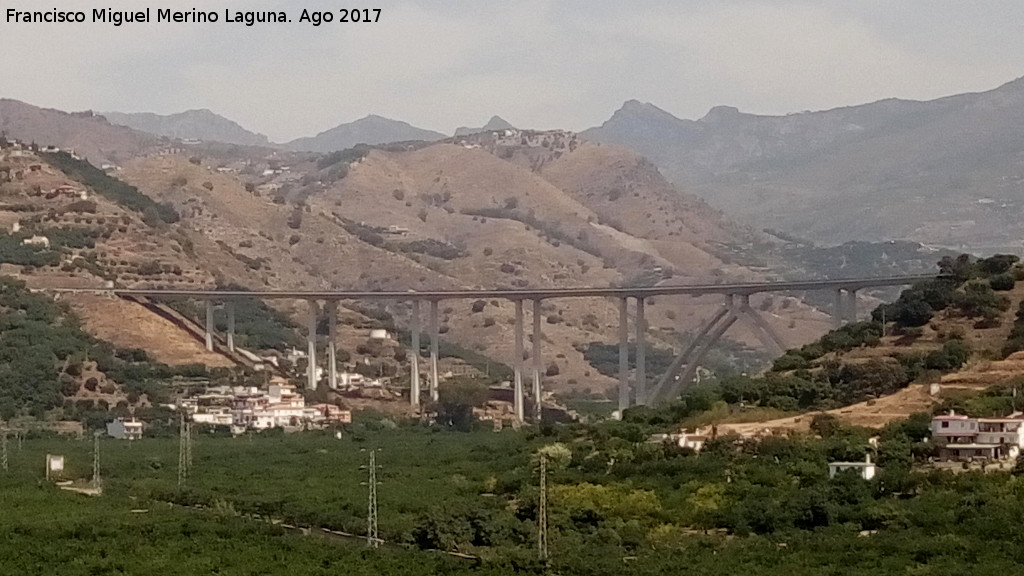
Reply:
x=182, y=457
x=372, y=539
x=188, y=445
x=3, y=456
x=96, y=481
x=542, y=510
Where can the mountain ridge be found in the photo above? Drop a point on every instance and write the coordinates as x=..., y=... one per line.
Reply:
x=952, y=160
x=200, y=124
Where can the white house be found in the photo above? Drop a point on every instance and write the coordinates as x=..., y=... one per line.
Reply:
x=694, y=442
x=961, y=438
x=125, y=429
x=865, y=469
x=37, y=241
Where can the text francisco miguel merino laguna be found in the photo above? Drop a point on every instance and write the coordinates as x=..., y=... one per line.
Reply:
x=144, y=16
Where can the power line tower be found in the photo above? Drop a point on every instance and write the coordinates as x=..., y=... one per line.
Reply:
x=188, y=445
x=372, y=539
x=182, y=453
x=96, y=481
x=3, y=449
x=542, y=510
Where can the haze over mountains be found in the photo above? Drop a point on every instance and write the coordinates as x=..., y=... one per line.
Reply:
x=947, y=171
x=191, y=124
x=495, y=123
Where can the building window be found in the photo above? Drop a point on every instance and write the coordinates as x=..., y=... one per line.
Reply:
x=945, y=424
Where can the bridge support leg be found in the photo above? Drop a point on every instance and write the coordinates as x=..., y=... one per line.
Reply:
x=517, y=363
x=231, y=325
x=537, y=336
x=623, y=355
x=414, y=356
x=762, y=329
x=332, y=345
x=641, y=353
x=434, y=328
x=209, y=325
x=851, y=306
x=691, y=368
x=837, y=309
x=311, y=380
x=666, y=385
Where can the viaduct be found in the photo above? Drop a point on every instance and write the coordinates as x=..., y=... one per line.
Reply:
x=736, y=306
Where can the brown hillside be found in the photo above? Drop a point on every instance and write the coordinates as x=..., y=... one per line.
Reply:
x=89, y=135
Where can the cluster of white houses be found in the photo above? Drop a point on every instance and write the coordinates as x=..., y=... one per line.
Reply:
x=245, y=408
x=961, y=438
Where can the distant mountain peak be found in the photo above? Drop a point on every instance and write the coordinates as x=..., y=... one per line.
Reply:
x=199, y=123
x=370, y=129
x=495, y=123
x=720, y=114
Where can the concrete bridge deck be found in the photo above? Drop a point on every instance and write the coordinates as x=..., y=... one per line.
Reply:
x=736, y=307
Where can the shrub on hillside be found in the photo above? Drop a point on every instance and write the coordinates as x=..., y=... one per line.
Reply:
x=1002, y=282
x=979, y=300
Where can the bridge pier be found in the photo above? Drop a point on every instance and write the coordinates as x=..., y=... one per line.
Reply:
x=641, y=352
x=537, y=337
x=314, y=312
x=844, y=309
x=414, y=356
x=230, y=305
x=762, y=329
x=210, y=328
x=623, y=354
x=434, y=328
x=332, y=344
x=517, y=364
x=851, y=310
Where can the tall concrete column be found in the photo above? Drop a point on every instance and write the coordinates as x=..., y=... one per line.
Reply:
x=623, y=355
x=332, y=344
x=837, y=309
x=851, y=309
x=517, y=364
x=537, y=336
x=641, y=353
x=311, y=345
x=230, y=305
x=209, y=325
x=414, y=355
x=434, y=328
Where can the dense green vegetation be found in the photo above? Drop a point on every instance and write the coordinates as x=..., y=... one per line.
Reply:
x=1015, y=341
x=617, y=504
x=43, y=348
x=257, y=325
x=120, y=192
x=968, y=290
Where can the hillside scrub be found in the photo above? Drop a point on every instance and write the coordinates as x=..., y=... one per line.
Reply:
x=42, y=345
x=120, y=192
x=968, y=290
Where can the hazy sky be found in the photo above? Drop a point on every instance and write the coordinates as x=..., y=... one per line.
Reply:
x=569, y=64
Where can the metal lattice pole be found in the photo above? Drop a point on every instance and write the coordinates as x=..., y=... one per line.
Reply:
x=96, y=480
x=188, y=446
x=3, y=456
x=372, y=538
x=182, y=460
x=542, y=512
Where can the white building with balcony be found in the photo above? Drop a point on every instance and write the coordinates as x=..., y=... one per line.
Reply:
x=961, y=438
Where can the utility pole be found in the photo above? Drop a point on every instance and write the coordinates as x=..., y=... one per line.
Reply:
x=96, y=481
x=542, y=510
x=188, y=445
x=182, y=457
x=372, y=540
